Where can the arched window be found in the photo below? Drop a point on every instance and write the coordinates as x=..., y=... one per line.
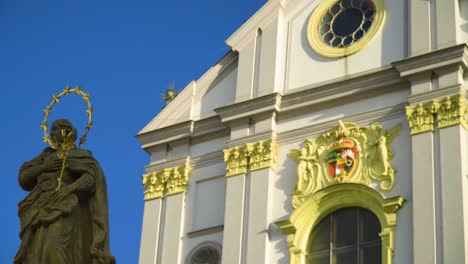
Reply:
x=208, y=252
x=348, y=236
x=337, y=212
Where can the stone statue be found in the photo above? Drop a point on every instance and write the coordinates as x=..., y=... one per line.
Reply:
x=63, y=221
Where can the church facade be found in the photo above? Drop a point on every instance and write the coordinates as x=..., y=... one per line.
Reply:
x=335, y=131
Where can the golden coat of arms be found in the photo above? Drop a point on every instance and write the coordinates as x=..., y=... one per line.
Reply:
x=346, y=153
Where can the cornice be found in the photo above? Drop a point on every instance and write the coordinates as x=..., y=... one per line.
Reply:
x=205, y=231
x=435, y=94
x=251, y=139
x=246, y=109
x=185, y=130
x=207, y=160
x=166, y=134
x=432, y=61
x=363, y=119
x=365, y=82
x=260, y=19
x=207, y=126
x=159, y=165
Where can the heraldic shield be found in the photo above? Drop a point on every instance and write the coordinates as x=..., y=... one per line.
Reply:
x=342, y=159
x=346, y=153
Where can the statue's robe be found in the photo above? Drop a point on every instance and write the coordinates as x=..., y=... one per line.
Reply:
x=71, y=230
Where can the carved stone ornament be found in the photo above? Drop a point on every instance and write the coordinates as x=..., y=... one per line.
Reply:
x=259, y=155
x=346, y=153
x=166, y=182
x=420, y=118
x=263, y=154
x=236, y=160
x=450, y=111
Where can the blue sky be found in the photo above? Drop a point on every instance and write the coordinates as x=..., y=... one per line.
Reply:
x=125, y=54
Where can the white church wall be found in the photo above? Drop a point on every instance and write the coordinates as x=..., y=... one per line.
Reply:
x=306, y=67
x=318, y=115
x=220, y=93
x=208, y=203
x=245, y=72
x=205, y=197
x=207, y=146
x=463, y=4
x=158, y=153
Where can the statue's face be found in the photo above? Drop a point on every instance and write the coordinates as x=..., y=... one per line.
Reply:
x=56, y=130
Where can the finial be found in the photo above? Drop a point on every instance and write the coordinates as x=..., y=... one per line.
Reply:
x=170, y=94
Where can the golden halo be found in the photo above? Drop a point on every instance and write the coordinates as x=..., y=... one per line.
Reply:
x=68, y=90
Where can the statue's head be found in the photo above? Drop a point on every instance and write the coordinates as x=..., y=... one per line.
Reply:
x=60, y=128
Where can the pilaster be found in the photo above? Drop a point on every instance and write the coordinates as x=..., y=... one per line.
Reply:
x=150, y=232
x=440, y=153
x=263, y=159
x=453, y=158
x=164, y=214
x=421, y=123
x=234, y=219
x=173, y=229
x=249, y=170
x=420, y=26
x=447, y=23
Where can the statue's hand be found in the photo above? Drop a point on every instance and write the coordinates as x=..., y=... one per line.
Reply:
x=64, y=191
x=52, y=164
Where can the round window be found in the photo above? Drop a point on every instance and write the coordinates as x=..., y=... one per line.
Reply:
x=340, y=28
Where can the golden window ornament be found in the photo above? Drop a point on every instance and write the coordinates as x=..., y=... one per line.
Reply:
x=339, y=28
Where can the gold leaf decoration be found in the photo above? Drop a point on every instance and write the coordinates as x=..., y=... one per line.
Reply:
x=347, y=153
x=165, y=182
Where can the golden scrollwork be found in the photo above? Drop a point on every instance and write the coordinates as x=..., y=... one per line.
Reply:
x=165, y=182
x=257, y=156
x=346, y=153
x=262, y=154
x=449, y=111
x=420, y=118
x=236, y=159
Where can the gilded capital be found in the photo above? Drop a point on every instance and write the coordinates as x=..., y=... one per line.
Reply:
x=451, y=111
x=420, y=118
x=166, y=182
x=178, y=180
x=254, y=156
x=263, y=154
x=236, y=160
x=154, y=186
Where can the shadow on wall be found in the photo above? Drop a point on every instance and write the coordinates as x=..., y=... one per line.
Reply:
x=463, y=5
x=285, y=182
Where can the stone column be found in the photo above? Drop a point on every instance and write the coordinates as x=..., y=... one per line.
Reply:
x=163, y=220
x=150, y=232
x=424, y=201
x=262, y=160
x=171, y=239
x=451, y=113
x=236, y=170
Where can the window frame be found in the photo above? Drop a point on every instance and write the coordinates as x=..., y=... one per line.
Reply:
x=319, y=205
x=315, y=39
